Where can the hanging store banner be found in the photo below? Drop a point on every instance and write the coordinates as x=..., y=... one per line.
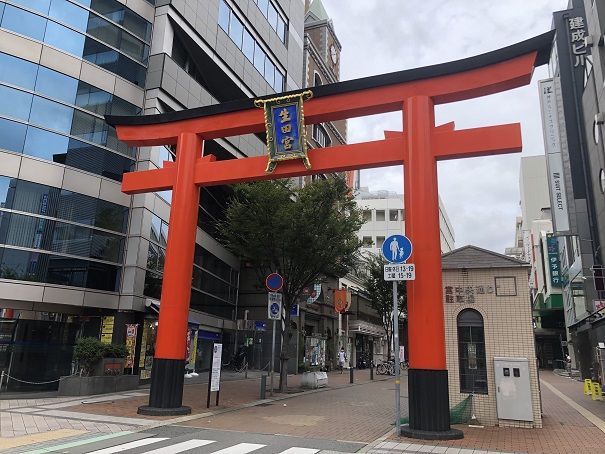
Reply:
x=131, y=343
x=107, y=329
x=285, y=126
x=340, y=301
x=554, y=160
x=554, y=267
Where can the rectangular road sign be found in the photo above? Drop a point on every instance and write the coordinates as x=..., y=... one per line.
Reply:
x=400, y=272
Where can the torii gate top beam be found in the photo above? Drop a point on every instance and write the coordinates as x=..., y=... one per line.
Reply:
x=443, y=83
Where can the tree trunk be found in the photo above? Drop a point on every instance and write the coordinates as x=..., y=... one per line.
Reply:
x=284, y=356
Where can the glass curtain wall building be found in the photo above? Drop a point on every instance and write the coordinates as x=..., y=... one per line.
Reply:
x=77, y=256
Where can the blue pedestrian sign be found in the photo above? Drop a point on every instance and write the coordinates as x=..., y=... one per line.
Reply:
x=397, y=248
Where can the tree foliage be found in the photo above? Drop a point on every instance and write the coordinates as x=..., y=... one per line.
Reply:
x=298, y=233
x=380, y=294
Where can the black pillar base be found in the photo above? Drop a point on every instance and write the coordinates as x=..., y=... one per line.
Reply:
x=429, y=406
x=166, y=394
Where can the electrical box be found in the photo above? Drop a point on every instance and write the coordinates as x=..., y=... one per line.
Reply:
x=513, y=392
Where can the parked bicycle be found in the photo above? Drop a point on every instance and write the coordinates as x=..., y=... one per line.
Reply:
x=388, y=367
x=237, y=363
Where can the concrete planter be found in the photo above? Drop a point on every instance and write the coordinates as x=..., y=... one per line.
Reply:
x=109, y=366
x=87, y=386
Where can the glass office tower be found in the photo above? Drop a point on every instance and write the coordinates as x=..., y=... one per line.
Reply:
x=77, y=256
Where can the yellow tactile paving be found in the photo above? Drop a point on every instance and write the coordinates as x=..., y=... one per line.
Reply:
x=7, y=443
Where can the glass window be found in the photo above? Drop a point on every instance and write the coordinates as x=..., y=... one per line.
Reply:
x=269, y=72
x=272, y=16
x=156, y=226
x=367, y=215
x=279, y=81
x=17, y=72
x=64, y=38
x=12, y=135
x=92, y=98
x=45, y=144
x=367, y=241
x=248, y=46
x=223, y=16
x=259, y=58
x=379, y=242
x=506, y=286
x=15, y=103
x=471, y=352
x=119, y=14
x=4, y=185
x=393, y=215
x=23, y=22
x=380, y=215
x=69, y=14
x=56, y=85
x=153, y=285
x=281, y=29
x=51, y=114
x=263, y=5
x=235, y=31
x=36, y=5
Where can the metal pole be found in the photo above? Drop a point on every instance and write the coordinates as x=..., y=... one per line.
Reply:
x=272, y=358
x=396, y=348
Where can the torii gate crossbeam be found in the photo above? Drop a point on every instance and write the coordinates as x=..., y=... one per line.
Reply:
x=418, y=147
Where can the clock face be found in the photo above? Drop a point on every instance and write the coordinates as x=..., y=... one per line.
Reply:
x=333, y=54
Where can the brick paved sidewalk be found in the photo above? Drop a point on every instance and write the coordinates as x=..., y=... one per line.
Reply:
x=362, y=412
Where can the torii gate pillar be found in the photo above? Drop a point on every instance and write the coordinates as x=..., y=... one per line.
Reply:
x=418, y=148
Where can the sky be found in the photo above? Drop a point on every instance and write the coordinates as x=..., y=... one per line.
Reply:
x=481, y=195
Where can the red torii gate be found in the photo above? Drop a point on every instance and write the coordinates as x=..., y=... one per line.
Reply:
x=418, y=148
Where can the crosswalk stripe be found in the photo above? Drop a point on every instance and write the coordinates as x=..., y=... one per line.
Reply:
x=299, y=451
x=180, y=447
x=125, y=446
x=240, y=448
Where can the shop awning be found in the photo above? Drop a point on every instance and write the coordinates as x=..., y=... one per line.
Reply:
x=154, y=305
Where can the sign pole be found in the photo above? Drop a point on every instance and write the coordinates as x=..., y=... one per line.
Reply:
x=272, y=358
x=396, y=354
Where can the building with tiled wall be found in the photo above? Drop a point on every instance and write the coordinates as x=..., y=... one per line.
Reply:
x=77, y=256
x=488, y=315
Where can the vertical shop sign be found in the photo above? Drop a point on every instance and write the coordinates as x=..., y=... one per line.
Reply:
x=554, y=266
x=143, y=345
x=554, y=160
x=107, y=329
x=131, y=343
x=193, y=350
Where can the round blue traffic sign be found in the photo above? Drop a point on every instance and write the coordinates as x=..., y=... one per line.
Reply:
x=397, y=248
x=274, y=282
x=274, y=309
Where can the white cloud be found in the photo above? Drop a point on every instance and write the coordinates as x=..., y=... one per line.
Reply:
x=481, y=195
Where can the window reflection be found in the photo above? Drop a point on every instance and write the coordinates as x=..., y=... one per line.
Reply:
x=56, y=85
x=64, y=38
x=23, y=22
x=15, y=103
x=51, y=115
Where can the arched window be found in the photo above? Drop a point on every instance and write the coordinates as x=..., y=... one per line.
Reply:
x=471, y=352
x=316, y=79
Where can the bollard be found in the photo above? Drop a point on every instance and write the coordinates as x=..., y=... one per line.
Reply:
x=263, y=386
x=372, y=372
x=351, y=375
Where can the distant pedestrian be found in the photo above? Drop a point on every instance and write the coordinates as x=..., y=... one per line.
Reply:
x=568, y=364
x=342, y=357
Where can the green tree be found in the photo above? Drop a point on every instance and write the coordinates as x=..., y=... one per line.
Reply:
x=380, y=293
x=299, y=233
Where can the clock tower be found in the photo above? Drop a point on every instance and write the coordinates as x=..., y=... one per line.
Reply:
x=321, y=65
